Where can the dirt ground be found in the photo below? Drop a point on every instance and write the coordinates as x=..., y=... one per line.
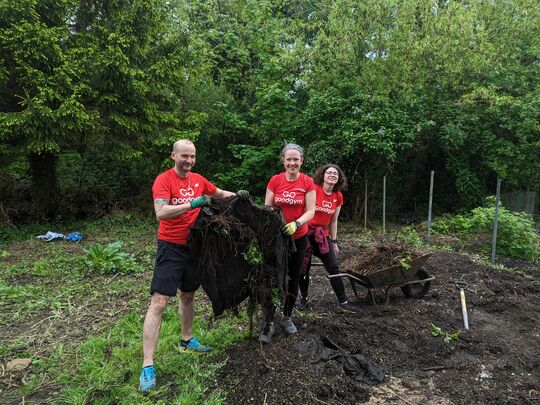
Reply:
x=495, y=362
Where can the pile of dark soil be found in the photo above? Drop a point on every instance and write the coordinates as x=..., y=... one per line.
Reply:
x=384, y=254
x=495, y=362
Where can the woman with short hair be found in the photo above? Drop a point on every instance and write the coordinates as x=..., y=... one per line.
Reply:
x=294, y=193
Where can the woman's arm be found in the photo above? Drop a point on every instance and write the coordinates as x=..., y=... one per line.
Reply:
x=333, y=228
x=310, y=208
x=269, y=197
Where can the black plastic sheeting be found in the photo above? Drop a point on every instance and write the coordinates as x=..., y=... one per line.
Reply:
x=357, y=366
x=220, y=241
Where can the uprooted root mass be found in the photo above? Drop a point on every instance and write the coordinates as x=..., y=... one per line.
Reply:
x=379, y=257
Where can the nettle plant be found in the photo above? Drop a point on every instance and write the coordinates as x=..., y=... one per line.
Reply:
x=516, y=235
x=253, y=255
x=110, y=259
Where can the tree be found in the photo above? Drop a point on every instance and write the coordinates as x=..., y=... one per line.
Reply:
x=102, y=75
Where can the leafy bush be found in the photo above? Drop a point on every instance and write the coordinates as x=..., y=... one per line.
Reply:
x=110, y=259
x=516, y=235
x=409, y=236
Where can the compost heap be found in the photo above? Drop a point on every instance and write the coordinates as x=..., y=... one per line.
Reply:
x=385, y=254
x=240, y=253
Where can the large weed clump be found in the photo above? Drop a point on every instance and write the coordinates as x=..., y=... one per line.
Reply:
x=516, y=235
x=110, y=259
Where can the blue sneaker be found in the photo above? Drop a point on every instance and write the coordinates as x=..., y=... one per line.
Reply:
x=193, y=345
x=147, y=380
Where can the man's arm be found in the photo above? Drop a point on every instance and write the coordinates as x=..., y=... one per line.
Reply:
x=222, y=193
x=165, y=211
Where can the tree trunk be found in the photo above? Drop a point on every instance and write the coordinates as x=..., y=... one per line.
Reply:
x=44, y=184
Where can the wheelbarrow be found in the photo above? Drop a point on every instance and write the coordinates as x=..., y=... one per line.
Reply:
x=414, y=280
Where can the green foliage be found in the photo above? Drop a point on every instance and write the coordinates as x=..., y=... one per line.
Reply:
x=447, y=336
x=409, y=236
x=405, y=262
x=110, y=259
x=516, y=235
x=253, y=255
x=92, y=97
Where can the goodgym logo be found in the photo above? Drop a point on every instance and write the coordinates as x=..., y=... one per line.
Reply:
x=327, y=204
x=288, y=194
x=187, y=193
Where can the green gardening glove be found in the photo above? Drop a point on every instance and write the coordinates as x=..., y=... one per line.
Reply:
x=202, y=201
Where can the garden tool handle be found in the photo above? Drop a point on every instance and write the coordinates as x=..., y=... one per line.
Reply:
x=462, y=286
x=464, y=309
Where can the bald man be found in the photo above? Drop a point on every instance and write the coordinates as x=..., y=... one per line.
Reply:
x=179, y=194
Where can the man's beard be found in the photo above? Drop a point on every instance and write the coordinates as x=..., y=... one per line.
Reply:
x=183, y=167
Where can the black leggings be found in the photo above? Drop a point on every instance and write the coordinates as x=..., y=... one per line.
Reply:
x=332, y=267
x=295, y=262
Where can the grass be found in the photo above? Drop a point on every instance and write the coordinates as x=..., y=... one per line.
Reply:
x=83, y=329
x=108, y=366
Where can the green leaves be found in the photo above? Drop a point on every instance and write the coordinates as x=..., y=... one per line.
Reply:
x=435, y=330
x=447, y=337
x=253, y=255
x=516, y=235
x=110, y=259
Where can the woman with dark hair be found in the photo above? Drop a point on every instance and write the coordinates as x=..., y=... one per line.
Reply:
x=294, y=193
x=322, y=234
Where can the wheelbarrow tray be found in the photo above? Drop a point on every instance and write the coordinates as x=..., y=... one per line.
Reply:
x=395, y=275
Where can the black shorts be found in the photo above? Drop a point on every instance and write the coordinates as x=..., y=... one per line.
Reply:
x=174, y=270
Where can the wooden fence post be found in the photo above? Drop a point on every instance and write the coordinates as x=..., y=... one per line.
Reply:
x=365, y=204
x=430, y=206
x=384, y=206
x=495, y=222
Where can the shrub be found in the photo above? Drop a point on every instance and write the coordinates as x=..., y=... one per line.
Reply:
x=409, y=236
x=516, y=235
x=110, y=259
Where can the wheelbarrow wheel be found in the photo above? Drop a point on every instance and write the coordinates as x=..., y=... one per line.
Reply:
x=418, y=290
x=360, y=293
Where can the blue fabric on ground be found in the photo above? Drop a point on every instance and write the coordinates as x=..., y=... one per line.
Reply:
x=50, y=236
x=75, y=237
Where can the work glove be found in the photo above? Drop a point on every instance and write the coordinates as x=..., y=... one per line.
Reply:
x=243, y=194
x=202, y=201
x=290, y=228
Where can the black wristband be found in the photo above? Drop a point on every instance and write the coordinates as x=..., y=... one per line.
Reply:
x=298, y=224
x=334, y=241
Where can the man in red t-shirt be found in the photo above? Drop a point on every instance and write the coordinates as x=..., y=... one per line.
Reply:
x=178, y=196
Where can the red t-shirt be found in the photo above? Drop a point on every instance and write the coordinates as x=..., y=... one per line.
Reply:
x=177, y=190
x=325, y=207
x=290, y=196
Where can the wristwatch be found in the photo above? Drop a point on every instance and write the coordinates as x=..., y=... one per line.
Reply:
x=334, y=241
x=298, y=224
